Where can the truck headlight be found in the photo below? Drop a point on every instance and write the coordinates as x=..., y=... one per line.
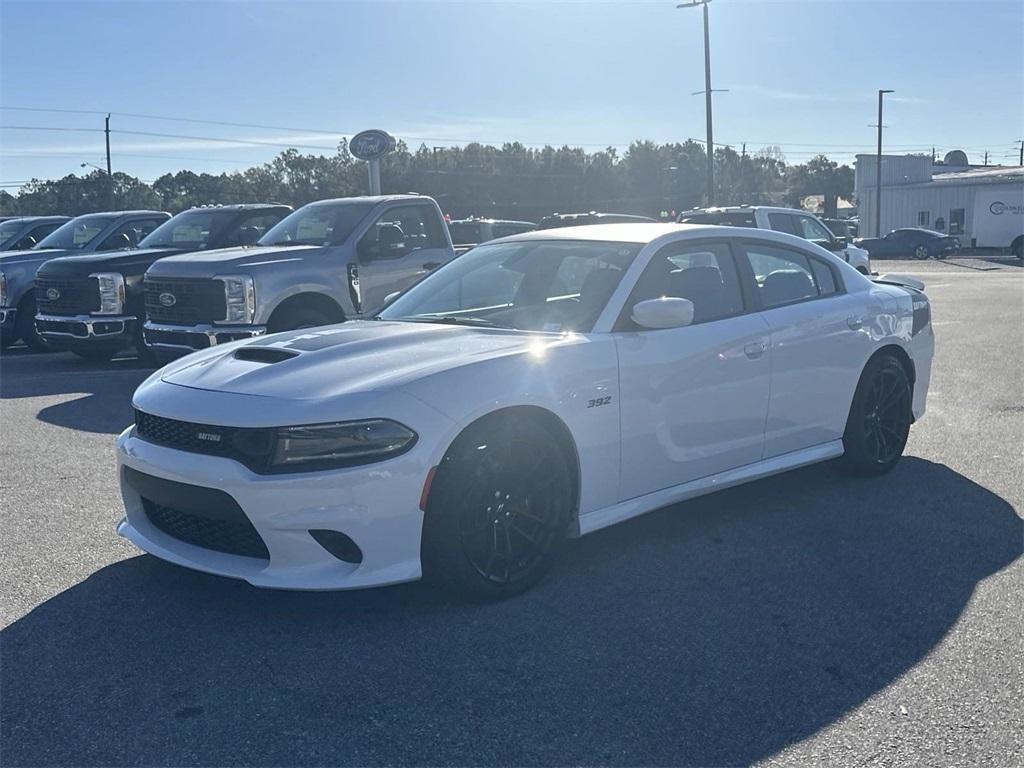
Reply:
x=111, y=286
x=322, y=446
x=239, y=298
x=3, y=290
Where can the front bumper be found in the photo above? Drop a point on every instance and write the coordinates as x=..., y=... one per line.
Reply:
x=375, y=505
x=86, y=331
x=182, y=338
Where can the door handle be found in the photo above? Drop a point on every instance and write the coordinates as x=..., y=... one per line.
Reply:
x=755, y=350
x=855, y=323
x=432, y=265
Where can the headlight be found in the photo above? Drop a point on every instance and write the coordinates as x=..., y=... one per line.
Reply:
x=3, y=290
x=240, y=298
x=111, y=285
x=320, y=446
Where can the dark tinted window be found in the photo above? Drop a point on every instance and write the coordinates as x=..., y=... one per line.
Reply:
x=721, y=218
x=783, y=222
x=464, y=232
x=705, y=274
x=824, y=277
x=248, y=229
x=504, y=230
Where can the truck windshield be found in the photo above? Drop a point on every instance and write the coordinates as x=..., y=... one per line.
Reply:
x=9, y=229
x=76, y=234
x=318, y=224
x=190, y=230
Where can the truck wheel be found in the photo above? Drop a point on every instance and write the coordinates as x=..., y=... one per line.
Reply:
x=1018, y=248
x=26, y=326
x=294, y=318
x=879, y=421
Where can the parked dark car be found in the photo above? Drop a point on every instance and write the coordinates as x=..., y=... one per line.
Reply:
x=914, y=242
x=94, y=305
x=557, y=220
x=476, y=230
x=93, y=232
x=19, y=233
x=840, y=228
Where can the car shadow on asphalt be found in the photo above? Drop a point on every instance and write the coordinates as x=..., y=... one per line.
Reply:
x=713, y=632
x=105, y=387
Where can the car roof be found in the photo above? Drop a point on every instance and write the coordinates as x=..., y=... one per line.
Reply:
x=37, y=219
x=118, y=214
x=237, y=207
x=374, y=199
x=738, y=208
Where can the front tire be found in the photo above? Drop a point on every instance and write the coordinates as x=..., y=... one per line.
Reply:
x=498, y=511
x=26, y=326
x=879, y=422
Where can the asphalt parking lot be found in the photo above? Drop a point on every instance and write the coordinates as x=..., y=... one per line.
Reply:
x=807, y=619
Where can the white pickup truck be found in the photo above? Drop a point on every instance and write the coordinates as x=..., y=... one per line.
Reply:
x=788, y=220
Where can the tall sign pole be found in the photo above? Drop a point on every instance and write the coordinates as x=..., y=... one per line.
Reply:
x=707, y=97
x=878, y=169
x=371, y=146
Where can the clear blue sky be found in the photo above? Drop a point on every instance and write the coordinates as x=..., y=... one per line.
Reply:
x=802, y=74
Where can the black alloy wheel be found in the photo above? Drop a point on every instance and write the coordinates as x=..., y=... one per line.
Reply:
x=498, y=511
x=879, y=422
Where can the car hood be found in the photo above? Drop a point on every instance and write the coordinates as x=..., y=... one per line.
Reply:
x=357, y=357
x=217, y=262
x=91, y=263
x=27, y=257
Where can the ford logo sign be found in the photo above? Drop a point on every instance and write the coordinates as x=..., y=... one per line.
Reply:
x=371, y=145
x=998, y=207
x=52, y=294
x=168, y=299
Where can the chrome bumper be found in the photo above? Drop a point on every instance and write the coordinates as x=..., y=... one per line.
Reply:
x=83, y=326
x=195, y=337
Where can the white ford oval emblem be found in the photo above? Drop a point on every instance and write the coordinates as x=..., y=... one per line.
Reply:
x=52, y=294
x=168, y=299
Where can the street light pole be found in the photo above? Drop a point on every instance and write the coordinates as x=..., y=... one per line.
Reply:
x=707, y=97
x=878, y=169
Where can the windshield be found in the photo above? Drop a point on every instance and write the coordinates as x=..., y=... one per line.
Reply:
x=76, y=234
x=559, y=285
x=464, y=232
x=320, y=224
x=9, y=229
x=190, y=230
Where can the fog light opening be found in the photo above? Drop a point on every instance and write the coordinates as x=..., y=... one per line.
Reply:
x=339, y=545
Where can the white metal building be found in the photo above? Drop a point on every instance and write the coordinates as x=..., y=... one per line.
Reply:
x=982, y=205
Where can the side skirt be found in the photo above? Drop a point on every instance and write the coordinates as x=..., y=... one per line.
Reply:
x=625, y=510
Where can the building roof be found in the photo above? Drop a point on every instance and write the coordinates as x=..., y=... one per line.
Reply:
x=999, y=174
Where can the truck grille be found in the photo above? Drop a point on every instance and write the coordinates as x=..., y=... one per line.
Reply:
x=185, y=301
x=67, y=296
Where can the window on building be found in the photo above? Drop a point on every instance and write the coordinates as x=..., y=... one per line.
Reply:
x=956, y=221
x=924, y=218
x=940, y=224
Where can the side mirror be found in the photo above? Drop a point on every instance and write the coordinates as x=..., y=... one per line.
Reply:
x=25, y=243
x=666, y=312
x=391, y=297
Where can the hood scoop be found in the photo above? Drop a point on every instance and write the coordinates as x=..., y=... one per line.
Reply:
x=268, y=355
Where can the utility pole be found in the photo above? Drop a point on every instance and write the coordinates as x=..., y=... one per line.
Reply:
x=1021, y=142
x=986, y=157
x=707, y=96
x=878, y=168
x=110, y=177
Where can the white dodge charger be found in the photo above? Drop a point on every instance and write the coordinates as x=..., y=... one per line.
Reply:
x=539, y=387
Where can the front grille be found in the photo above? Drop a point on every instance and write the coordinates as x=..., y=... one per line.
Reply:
x=249, y=446
x=234, y=537
x=201, y=516
x=192, y=301
x=70, y=295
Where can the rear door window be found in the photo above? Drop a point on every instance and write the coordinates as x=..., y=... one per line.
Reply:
x=783, y=276
x=783, y=222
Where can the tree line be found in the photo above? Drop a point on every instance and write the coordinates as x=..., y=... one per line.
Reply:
x=511, y=182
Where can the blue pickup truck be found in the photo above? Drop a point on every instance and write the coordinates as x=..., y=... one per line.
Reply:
x=110, y=231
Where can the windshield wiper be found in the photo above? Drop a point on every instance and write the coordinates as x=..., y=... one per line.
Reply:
x=289, y=243
x=453, y=320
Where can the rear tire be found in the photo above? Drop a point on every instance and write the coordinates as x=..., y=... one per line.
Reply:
x=1018, y=248
x=879, y=422
x=921, y=252
x=498, y=511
